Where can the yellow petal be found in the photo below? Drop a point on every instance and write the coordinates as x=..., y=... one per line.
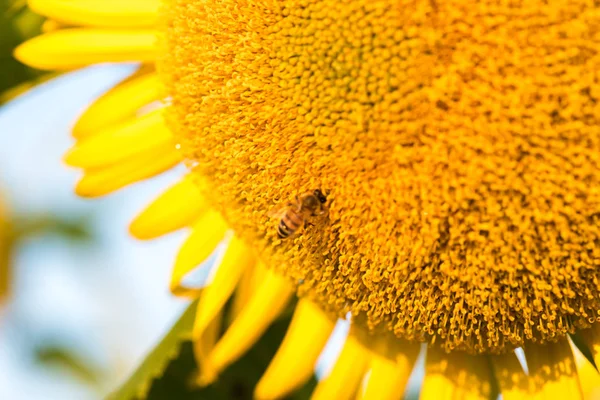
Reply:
x=206, y=234
x=588, y=376
x=346, y=375
x=456, y=376
x=243, y=293
x=258, y=275
x=552, y=370
x=51, y=25
x=391, y=364
x=119, y=104
x=251, y=281
x=266, y=304
x=204, y=342
x=175, y=208
x=74, y=48
x=100, y=13
x=212, y=299
x=295, y=359
x=514, y=383
x=125, y=140
x=101, y=181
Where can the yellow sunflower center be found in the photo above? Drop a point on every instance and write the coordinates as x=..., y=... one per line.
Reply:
x=459, y=142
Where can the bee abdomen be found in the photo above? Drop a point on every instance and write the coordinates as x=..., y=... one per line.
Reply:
x=290, y=222
x=282, y=230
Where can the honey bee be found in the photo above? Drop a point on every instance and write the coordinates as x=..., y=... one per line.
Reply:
x=296, y=215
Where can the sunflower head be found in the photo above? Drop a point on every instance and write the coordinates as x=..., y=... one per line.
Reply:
x=459, y=143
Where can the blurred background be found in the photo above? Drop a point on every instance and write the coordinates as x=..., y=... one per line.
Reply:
x=80, y=301
x=83, y=301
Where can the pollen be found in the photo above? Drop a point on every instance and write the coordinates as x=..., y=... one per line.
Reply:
x=459, y=142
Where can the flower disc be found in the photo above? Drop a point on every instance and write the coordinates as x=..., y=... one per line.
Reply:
x=459, y=142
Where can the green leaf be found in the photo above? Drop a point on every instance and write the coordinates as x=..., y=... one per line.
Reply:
x=17, y=24
x=156, y=362
x=75, y=229
x=68, y=359
x=236, y=382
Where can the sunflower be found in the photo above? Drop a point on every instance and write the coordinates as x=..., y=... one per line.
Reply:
x=458, y=142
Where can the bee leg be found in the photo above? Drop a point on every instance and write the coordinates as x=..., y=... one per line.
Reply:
x=306, y=223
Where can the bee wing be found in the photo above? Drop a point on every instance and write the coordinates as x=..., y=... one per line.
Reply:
x=278, y=212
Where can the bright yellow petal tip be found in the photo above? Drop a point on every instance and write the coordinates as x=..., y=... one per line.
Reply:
x=74, y=48
x=100, y=13
x=51, y=25
x=175, y=208
x=123, y=141
x=118, y=104
x=101, y=181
